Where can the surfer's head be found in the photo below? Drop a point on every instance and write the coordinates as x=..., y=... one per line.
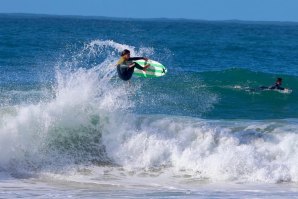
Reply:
x=125, y=54
x=279, y=81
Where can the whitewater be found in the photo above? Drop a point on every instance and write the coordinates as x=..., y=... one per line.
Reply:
x=84, y=133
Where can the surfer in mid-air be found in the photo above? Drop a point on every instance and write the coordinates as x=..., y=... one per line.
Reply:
x=125, y=65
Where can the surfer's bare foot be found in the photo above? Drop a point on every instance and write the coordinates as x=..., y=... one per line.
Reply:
x=145, y=67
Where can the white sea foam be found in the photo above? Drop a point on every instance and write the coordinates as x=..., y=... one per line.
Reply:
x=218, y=151
x=49, y=132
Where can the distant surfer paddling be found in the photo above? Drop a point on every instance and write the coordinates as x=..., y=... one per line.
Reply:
x=125, y=65
x=276, y=86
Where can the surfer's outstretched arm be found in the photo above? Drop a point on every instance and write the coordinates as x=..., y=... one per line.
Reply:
x=276, y=87
x=137, y=65
x=137, y=58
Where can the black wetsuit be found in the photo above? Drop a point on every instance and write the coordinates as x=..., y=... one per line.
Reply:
x=276, y=86
x=273, y=87
x=124, y=72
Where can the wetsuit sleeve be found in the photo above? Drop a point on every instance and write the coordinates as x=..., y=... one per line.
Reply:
x=135, y=58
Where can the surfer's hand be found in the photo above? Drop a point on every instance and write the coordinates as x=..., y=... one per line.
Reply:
x=145, y=67
x=146, y=59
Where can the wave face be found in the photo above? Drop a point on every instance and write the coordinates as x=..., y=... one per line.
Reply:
x=73, y=119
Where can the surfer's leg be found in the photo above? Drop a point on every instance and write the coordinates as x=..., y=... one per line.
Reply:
x=124, y=73
x=128, y=73
x=264, y=88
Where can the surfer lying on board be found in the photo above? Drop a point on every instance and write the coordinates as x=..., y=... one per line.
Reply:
x=125, y=66
x=276, y=86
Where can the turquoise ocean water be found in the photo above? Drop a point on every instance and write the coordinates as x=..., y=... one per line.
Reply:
x=69, y=127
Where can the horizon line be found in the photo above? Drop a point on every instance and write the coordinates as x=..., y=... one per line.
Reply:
x=145, y=19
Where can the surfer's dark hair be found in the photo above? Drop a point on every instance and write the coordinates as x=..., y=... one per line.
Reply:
x=125, y=52
x=279, y=79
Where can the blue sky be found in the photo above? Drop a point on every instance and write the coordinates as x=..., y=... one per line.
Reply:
x=257, y=10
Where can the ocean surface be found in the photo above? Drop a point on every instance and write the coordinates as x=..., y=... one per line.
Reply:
x=70, y=128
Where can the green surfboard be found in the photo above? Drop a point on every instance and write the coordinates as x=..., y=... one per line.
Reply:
x=156, y=69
